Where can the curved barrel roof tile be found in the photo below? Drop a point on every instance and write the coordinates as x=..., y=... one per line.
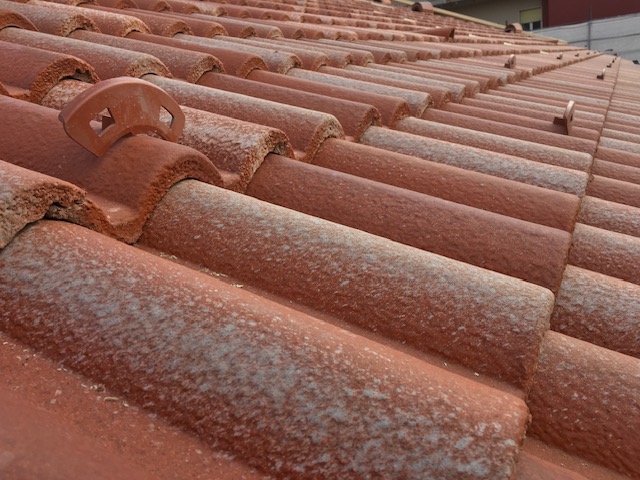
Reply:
x=447, y=287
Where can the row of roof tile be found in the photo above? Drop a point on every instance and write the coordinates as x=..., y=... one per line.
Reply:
x=401, y=251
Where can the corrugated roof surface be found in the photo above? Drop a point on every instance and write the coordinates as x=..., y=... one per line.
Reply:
x=313, y=239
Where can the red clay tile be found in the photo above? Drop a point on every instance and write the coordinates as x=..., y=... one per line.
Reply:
x=621, y=127
x=34, y=72
x=108, y=62
x=616, y=171
x=536, y=110
x=277, y=60
x=554, y=139
x=238, y=235
x=288, y=29
x=36, y=445
x=536, y=254
x=200, y=27
x=305, y=129
x=504, y=166
x=628, y=144
x=354, y=117
x=534, y=468
x=186, y=65
x=611, y=253
x=27, y=196
x=514, y=199
x=236, y=148
x=497, y=77
x=48, y=18
x=417, y=101
x=234, y=62
x=587, y=103
x=162, y=25
x=380, y=54
x=391, y=108
x=358, y=57
x=618, y=156
x=335, y=58
x=531, y=150
x=313, y=381
x=235, y=27
x=469, y=87
x=356, y=288
x=440, y=91
x=309, y=60
x=599, y=309
x=120, y=4
x=584, y=400
x=246, y=11
x=10, y=18
x=530, y=120
x=119, y=429
x=122, y=187
x=614, y=190
x=112, y=22
x=612, y=216
x=153, y=5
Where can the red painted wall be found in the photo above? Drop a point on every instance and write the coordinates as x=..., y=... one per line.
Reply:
x=562, y=12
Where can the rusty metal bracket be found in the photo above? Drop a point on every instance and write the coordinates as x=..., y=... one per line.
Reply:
x=600, y=76
x=511, y=62
x=127, y=106
x=566, y=120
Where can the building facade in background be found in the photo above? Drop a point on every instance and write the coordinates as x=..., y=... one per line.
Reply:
x=607, y=25
x=536, y=14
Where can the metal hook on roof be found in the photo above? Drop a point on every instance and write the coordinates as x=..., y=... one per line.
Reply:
x=559, y=57
x=566, y=120
x=127, y=106
x=600, y=76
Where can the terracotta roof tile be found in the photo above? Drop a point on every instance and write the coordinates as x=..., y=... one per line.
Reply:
x=447, y=129
x=108, y=62
x=266, y=414
x=354, y=117
x=391, y=108
x=299, y=263
x=510, y=167
x=27, y=196
x=305, y=135
x=186, y=65
x=234, y=62
x=533, y=252
x=577, y=380
x=32, y=79
x=117, y=204
x=514, y=199
x=50, y=20
x=418, y=101
x=338, y=290
x=10, y=18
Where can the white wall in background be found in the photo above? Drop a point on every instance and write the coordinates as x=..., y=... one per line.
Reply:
x=621, y=34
